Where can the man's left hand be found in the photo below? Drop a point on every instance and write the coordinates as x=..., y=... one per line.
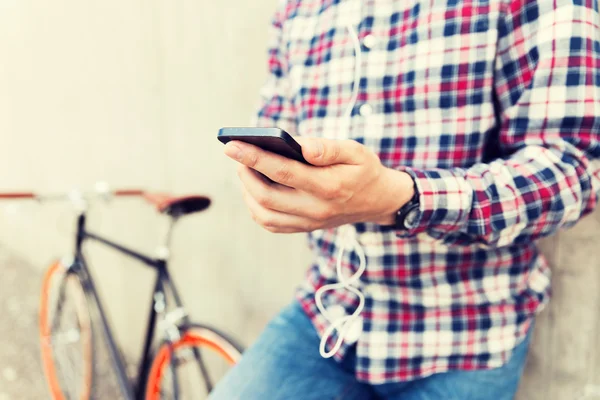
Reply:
x=345, y=183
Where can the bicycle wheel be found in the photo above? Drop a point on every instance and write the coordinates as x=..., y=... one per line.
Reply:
x=65, y=335
x=202, y=356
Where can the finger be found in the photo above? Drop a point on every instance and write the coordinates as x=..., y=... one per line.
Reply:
x=323, y=152
x=281, y=198
x=279, y=169
x=275, y=221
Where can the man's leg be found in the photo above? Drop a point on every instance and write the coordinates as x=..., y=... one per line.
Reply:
x=285, y=364
x=494, y=384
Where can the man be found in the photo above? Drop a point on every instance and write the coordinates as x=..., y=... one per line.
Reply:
x=445, y=137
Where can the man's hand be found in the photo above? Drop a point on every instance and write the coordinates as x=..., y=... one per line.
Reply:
x=346, y=183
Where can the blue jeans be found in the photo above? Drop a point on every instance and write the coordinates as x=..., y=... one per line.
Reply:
x=284, y=364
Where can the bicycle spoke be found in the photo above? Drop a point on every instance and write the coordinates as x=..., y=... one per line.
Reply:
x=203, y=370
x=173, y=368
x=59, y=304
x=68, y=337
x=69, y=364
x=68, y=370
x=178, y=374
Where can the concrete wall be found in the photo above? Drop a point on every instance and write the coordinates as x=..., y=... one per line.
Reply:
x=133, y=93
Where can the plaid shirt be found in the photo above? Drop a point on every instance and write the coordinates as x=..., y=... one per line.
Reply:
x=492, y=106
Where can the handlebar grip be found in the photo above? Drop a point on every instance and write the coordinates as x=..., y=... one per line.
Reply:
x=128, y=192
x=17, y=195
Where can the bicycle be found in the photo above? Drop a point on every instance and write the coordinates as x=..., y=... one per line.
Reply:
x=177, y=355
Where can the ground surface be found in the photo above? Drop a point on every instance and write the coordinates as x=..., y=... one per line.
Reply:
x=21, y=376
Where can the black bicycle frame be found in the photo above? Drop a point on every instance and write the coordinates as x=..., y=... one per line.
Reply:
x=163, y=280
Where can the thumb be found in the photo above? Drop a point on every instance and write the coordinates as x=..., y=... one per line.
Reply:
x=322, y=152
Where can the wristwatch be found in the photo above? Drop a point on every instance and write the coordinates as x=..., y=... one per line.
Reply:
x=406, y=216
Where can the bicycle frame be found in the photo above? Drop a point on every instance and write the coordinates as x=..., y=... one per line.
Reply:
x=163, y=281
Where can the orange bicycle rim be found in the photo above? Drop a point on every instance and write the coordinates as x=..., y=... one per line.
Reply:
x=45, y=339
x=189, y=339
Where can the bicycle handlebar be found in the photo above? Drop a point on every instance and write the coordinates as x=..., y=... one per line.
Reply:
x=69, y=195
x=128, y=192
x=174, y=206
x=17, y=195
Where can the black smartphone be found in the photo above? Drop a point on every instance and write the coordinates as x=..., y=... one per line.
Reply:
x=274, y=140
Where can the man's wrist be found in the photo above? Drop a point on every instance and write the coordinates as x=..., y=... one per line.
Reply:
x=399, y=189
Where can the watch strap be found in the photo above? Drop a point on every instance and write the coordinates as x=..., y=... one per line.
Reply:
x=411, y=206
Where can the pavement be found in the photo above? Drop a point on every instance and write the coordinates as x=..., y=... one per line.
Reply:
x=21, y=375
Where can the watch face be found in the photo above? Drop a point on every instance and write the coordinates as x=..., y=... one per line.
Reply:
x=411, y=217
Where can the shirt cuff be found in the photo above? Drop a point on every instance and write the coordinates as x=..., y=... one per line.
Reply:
x=445, y=199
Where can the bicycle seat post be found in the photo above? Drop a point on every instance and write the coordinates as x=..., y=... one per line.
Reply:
x=164, y=250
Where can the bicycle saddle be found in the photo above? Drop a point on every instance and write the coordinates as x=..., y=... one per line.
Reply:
x=177, y=206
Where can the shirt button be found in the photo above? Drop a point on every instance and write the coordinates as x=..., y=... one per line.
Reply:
x=369, y=41
x=365, y=110
x=369, y=237
x=376, y=292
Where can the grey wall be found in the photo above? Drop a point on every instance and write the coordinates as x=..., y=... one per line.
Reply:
x=133, y=93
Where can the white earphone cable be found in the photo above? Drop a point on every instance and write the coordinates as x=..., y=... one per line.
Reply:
x=343, y=324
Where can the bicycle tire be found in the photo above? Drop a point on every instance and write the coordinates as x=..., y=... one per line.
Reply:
x=193, y=336
x=70, y=292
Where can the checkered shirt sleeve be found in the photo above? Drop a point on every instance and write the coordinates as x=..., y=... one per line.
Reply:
x=547, y=87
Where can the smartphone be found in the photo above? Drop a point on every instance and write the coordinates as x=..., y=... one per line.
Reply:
x=274, y=140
